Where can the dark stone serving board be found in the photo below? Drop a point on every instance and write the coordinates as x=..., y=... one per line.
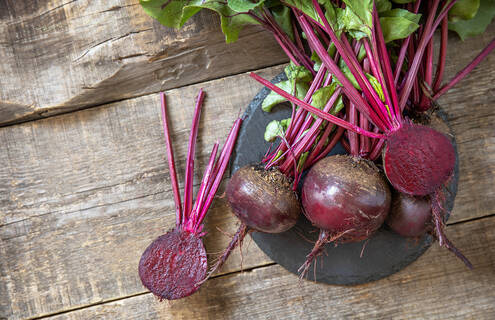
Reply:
x=385, y=252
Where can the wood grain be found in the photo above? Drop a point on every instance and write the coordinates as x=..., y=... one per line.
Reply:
x=61, y=55
x=82, y=194
x=436, y=286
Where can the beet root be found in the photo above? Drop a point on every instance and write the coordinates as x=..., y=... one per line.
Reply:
x=263, y=199
x=417, y=159
x=173, y=265
x=343, y=194
x=409, y=216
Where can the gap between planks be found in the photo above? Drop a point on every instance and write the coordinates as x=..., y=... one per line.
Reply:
x=57, y=313
x=41, y=112
x=218, y=276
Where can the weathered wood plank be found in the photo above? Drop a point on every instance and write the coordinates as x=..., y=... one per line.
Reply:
x=436, y=286
x=71, y=259
x=59, y=55
x=113, y=153
x=83, y=194
x=99, y=176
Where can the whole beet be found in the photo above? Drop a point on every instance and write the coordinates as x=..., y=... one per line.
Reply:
x=346, y=194
x=263, y=199
x=409, y=216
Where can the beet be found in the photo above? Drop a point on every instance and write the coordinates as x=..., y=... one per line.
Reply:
x=347, y=198
x=409, y=216
x=346, y=194
x=173, y=265
x=263, y=199
x=417, y=159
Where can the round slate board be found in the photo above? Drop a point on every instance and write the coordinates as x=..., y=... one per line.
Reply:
x=384, y=253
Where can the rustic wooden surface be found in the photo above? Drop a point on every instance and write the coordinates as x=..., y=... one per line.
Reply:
x=61, y=55
x=82, y=194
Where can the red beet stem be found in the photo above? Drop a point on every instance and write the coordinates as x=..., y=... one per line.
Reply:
x=171, y=162
x=316, y=111
x=222, y=164
x=389, y=83
x=404, y=48
x=353, y=137
x=352, y=93
x=461, y=74
x=188, y=184
x=413, y=71
x=193, y=224
x=442, y=55
x=336, y=137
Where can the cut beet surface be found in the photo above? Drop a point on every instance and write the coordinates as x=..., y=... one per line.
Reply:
x=418, y=160
x=173, y=265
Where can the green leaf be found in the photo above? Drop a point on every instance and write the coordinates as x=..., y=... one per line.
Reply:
x=298, y=73
x=302, y=160
x=281, y=14
x=168, y=13
x=273, y=98
x=395, y=28
x=321, y=96
x=347, y=72
x=464, y=10
x=276, y=129
x=305, y=6
x=174, y=13
x=358, y=17
x=383, y=5
x=376, y=85
x=476, y=25
x=403, y=1
x=413, y=17
x=243, y=5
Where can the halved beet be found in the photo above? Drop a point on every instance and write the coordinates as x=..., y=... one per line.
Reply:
x=173, y=265
x=417, y=159
x=263, y=199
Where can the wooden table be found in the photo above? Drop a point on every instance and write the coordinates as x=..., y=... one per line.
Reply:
x=82, y=193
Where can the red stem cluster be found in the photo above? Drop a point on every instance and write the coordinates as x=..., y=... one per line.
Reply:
x=190, y=216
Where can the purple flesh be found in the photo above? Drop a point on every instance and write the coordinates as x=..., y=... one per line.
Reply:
x=173, y=265
x=417, y=159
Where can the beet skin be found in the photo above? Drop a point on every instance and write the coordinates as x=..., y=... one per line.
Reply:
x=417, y=159
x=343, y=194
x=410, y=216
x=173, y=265
x=263, y=199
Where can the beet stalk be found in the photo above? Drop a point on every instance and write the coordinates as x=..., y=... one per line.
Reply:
x=174, y=264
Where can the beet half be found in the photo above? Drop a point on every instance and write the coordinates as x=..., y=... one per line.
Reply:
x=417, y=159
x=173, y=265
